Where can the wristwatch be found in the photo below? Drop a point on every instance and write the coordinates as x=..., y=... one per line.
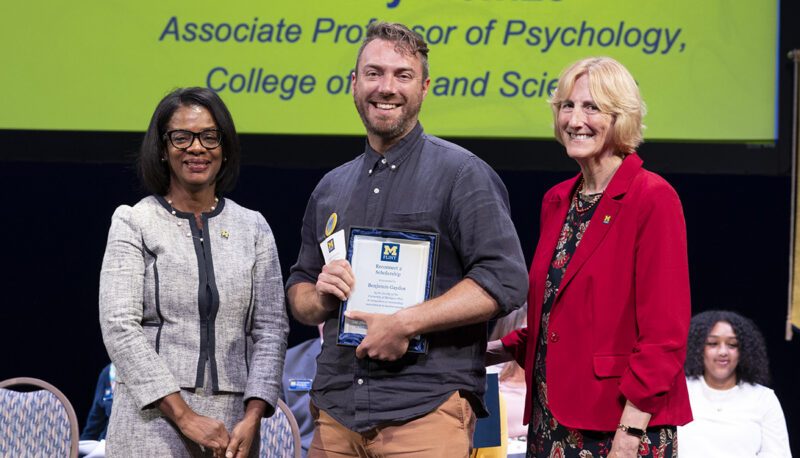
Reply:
x=640, y=433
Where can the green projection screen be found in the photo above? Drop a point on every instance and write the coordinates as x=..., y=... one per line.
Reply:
x=707, y=70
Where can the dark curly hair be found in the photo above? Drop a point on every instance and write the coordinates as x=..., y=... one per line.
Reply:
x=154, y=173
x=753, y=364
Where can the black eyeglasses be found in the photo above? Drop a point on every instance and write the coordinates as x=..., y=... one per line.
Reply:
x=182, y=139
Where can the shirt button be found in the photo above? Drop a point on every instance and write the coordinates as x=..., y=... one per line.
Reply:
x=553, y=336
x=360, y=381
x=383, y=161
x=393, y=167
x=189, y=234
x=376, y=190
x=370, y=171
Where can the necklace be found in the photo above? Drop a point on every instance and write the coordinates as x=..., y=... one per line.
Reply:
x=180, y=223
x=213, y=207
x=591, y=204
x=719, y=399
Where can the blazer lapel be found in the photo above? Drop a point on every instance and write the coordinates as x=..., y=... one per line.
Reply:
x=554, y=209
x=603, y=218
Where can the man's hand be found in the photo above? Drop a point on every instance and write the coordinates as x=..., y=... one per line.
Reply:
x=313, y=303
x=336, y=281
x=387, y=335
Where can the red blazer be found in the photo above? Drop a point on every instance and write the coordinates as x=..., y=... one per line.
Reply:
x=619, y=323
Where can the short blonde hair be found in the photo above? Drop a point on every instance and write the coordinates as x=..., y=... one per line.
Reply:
x=614, y=91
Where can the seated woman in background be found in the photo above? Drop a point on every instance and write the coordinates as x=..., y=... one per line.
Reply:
x=735, y=415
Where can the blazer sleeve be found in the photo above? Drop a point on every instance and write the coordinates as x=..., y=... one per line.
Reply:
x=121, y=309
x=662, y=300
x=270, y=324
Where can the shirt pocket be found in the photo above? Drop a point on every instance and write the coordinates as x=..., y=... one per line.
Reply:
x=606, y=366
x=425, y=221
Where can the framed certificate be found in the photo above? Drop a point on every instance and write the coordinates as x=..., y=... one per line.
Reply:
x=394, y=270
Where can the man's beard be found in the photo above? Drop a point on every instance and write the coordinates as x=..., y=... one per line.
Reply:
x=393, y=129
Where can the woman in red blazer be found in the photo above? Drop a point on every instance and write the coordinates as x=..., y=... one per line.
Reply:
x=609, y=286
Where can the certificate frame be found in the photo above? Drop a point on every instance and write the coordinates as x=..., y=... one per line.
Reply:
x=418, y=344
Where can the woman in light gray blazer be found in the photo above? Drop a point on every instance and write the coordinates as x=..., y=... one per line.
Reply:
x=191, y=295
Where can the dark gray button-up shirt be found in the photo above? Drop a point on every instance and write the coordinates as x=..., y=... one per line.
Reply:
x=426, y=184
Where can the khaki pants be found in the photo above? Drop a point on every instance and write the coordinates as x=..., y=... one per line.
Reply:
x=444, y=432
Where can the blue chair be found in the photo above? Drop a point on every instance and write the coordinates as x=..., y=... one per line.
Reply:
x=280, y=435
x=36, y=423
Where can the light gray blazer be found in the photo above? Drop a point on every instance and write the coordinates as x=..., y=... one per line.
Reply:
x=159, y=271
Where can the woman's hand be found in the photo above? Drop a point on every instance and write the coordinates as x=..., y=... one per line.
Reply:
x=244, y=432
x=624, y=446
x=497, y=353
x=208, y=432
x=205, y=431
x=242, y=438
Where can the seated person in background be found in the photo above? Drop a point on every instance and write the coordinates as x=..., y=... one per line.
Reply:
x=97, y=421
x=735, y=415
x=511, y=381
x=510, y=375
x=299, y=369
x=94, y=433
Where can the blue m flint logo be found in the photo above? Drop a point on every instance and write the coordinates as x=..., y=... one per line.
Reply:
x=390, y=252
x=330, y=245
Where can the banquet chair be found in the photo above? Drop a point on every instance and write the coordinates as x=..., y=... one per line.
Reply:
x=36, y=423
x=280, y=435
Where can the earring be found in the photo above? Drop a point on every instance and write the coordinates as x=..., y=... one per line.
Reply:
x=224, y=159
x=163, y=159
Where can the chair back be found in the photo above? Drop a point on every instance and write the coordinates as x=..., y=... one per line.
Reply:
x=36, y=423
x=280, y=435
